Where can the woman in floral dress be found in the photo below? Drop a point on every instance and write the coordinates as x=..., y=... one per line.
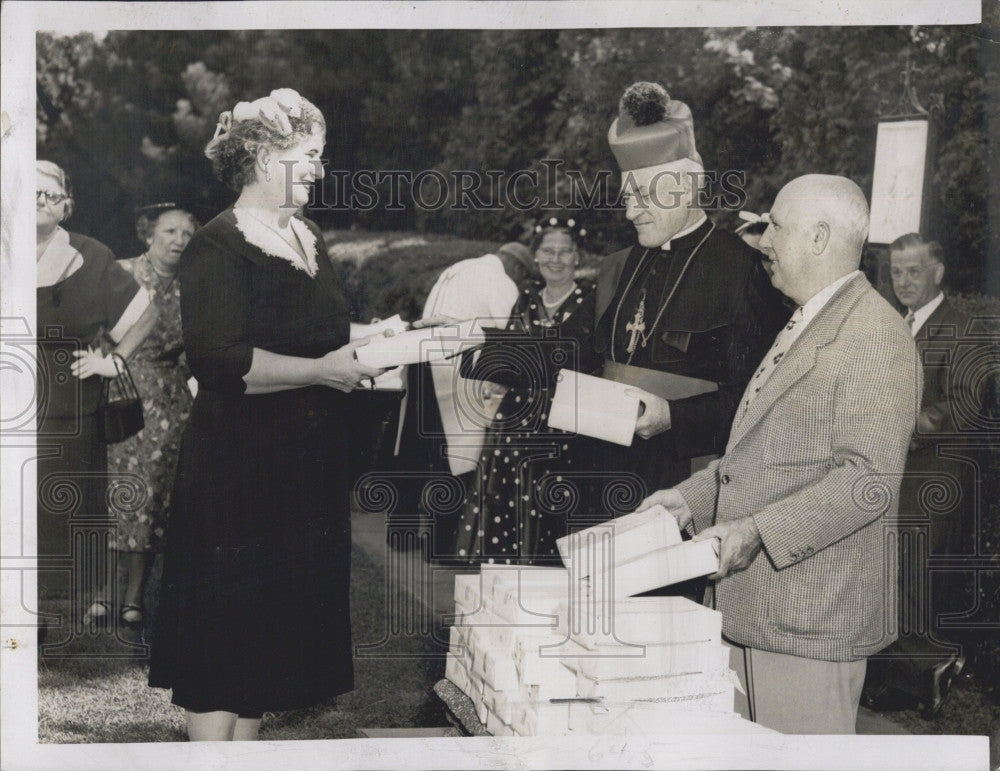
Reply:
x=142, y=468
x=519, y=504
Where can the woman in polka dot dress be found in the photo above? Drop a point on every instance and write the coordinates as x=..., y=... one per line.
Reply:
x=524, y=486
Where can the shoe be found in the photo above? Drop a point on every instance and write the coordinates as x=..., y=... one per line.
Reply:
x=131, y=617
x=886, y=699
x=875, y=698
x=940, y=680
x=98, y=614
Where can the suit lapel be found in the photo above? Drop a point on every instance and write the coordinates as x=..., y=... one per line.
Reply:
x=932, y=327
x=801, y=357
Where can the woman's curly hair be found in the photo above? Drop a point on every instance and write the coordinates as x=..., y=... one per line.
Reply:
x=145, y=223
x=234, y=153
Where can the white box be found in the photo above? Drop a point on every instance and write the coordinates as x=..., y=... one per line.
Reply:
x=652, y=661
x=592, y=406
x=480, y=618
x=528, y=577
x=468, y=590
x=559, y=688
x=503, y=702
x=556, y=682
x=693, y=687
x=541, y=718
x=393, y=325
x=539, y=662
x=482, y=709
x=495, y=725
x=456, y=672
x=499, y=670
x=393, y=379
x=457, y=640
x=505, y=635
x=618, y=540
x=523, y=606
x=690, y=559
x=639, y=620
x=418, y=345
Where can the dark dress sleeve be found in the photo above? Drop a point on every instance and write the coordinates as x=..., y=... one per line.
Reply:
x=117, y=286
x=215, y=296
x=700, y=424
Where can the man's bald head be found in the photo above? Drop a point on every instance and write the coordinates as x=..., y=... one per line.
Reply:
x=838, y=202
x=819, y=224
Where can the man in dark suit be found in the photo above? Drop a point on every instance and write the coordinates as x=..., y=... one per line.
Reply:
x=803, y=500
x=684, y=313
x=921, y=665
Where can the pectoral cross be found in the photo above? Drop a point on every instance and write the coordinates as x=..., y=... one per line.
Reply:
x=636, y=326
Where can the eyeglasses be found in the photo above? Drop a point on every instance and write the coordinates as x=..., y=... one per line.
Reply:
x=50, y=198
x=913, y=272
x=549, y=254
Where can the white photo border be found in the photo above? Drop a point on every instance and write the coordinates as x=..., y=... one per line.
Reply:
x=18, y=661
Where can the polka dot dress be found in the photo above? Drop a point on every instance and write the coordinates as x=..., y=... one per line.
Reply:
x=523, y=490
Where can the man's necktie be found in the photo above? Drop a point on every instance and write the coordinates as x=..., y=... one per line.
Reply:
x=909, y=320
x=781, y=345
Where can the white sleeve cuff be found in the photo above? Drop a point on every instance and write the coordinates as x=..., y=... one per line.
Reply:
x=131, y=315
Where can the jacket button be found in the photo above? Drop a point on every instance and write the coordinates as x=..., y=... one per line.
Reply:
x=725, y=479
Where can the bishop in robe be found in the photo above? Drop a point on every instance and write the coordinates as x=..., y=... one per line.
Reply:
x=687, y=310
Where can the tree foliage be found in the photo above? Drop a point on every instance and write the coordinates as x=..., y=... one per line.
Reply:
x=129, y=115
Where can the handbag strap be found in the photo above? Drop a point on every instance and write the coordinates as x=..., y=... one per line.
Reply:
x=124, y=384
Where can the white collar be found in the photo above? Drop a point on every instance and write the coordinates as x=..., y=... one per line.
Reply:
x=59, y=260
x=270, y=241
x=815, y=303
x=687, y=231
x=921, y=315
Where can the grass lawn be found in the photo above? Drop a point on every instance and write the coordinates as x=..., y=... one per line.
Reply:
x=104, y=699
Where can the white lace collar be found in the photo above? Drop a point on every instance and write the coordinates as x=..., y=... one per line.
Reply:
x=270, y=241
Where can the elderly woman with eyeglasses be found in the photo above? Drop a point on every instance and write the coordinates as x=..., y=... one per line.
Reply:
x=85, y=304
x=253, y=613
x=517, y=508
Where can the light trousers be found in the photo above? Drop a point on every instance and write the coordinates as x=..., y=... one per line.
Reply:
x=795, y=695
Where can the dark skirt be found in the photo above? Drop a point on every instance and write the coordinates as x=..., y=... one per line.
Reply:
x=254, y=611
x=73, y=517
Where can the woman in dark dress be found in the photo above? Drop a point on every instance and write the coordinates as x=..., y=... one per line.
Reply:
x=519, y=503
x=253, y=613
x=84, y=300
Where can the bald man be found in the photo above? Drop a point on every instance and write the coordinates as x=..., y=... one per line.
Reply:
x=803, y=496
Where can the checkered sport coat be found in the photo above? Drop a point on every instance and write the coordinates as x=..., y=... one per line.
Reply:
x=817, y=460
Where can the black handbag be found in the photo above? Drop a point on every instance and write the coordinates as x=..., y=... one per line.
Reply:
x=119, y=417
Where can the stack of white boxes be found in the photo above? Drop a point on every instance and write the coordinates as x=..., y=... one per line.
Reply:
x=561, y=651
